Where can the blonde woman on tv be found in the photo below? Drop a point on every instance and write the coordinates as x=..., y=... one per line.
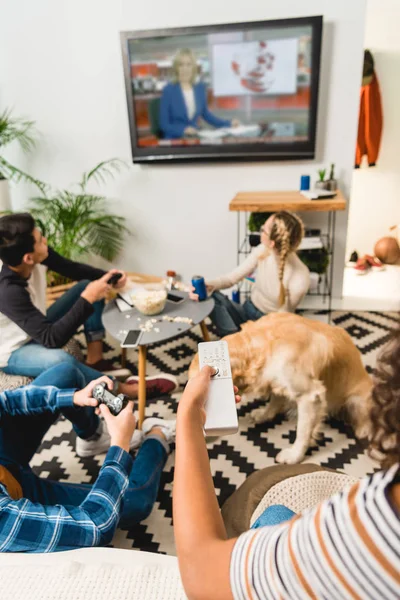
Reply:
x=184, y=101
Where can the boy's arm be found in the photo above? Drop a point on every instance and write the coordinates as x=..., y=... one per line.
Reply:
x=17, y=305
x=26, y=526
x=34, y=400
x=70, y=268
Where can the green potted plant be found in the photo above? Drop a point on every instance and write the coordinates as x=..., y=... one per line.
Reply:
x=320, y=184
x=23, y=132
x=76, y=222
x=256, y=221
x=332, y=183
x=316, y=260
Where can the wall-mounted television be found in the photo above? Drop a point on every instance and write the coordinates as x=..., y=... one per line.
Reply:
x=239, y=91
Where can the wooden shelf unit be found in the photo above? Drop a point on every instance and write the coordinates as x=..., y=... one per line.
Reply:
x=245, y=203
x=275, y=201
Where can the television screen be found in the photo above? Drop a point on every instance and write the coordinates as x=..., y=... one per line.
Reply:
x=237, y=91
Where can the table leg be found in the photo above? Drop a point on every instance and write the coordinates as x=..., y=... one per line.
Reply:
x=204, y=331
x=142, y=383
x=123, y=358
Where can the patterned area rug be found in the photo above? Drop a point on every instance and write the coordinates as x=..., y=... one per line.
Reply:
x=232, y=458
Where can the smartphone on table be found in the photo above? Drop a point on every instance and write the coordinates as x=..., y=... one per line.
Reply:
x=132, y=339
x=174, y=298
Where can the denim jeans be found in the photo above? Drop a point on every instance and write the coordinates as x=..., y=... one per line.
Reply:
x=32, y=359
x=140, y=495
x=273, y=515
x=21, y=436
x=227, y=316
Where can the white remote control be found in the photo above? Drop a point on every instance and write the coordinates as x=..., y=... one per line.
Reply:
x=220, y=407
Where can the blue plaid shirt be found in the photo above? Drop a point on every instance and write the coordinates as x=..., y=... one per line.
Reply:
x=26, y=526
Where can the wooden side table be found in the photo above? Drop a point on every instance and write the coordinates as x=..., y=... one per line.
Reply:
x=247, y=202
x=118, y=324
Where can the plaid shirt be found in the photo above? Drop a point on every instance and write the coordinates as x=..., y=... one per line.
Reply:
x=26, y=526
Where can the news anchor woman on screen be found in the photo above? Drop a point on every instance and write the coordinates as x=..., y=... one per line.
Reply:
x=183, y=102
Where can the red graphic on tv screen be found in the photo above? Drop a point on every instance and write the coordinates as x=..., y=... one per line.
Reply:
x=258, y=78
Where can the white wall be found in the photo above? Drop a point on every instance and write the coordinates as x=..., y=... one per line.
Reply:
x=60, y=64
x=375, y=196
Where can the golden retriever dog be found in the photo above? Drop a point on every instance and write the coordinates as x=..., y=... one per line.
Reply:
x=294, y=361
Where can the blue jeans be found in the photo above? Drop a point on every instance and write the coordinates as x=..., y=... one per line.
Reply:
x=21, y=436
x=140, y=495
x=273, y=515
x=32, y=359
x=227, y=316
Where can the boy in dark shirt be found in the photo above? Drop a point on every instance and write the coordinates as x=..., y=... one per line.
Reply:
x=31, y=338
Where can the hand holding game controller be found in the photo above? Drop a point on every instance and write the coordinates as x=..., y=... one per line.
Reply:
x=114, y=403
x=114, y=279
x=118, y=415
x=85, y=396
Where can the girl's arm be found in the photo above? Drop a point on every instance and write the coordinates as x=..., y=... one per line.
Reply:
x=243, y=270
x=204, y=552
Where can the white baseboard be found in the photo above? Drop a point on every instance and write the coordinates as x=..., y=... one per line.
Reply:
x=352, y=303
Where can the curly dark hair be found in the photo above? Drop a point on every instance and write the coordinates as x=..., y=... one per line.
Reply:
x=385, y=412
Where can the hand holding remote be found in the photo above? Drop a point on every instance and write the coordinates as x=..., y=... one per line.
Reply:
x=220, y=405
x=210, y=400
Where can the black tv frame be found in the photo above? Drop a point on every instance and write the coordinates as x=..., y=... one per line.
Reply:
x=229, y=152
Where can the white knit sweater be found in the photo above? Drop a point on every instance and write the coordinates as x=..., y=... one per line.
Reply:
x=265, y=291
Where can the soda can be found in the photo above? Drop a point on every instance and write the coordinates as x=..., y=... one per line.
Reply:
x=236, y=296
x=199, y=287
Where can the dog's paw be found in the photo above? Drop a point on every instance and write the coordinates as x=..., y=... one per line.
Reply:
x=289, y=456
x=259, y=415
x=363, y=432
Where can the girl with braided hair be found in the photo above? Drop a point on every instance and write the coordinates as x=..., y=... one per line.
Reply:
x=281, y=280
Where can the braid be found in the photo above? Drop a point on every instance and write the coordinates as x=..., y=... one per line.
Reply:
x=287, y=233
x=283, y=248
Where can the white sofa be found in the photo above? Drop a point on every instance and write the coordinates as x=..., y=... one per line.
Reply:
x=90, y=574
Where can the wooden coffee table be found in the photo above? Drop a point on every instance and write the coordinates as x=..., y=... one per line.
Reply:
x=118, y=324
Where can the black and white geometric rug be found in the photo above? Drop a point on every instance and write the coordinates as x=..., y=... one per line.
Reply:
x=232, y=458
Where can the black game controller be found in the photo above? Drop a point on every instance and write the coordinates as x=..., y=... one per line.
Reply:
x=115, y=403
x=114, y=278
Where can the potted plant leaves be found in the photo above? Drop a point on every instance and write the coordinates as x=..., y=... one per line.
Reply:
x=23, y=132
x=76, y=222
x=316, y=260
x=320, y=184
x=332, y=183
x=256, y=221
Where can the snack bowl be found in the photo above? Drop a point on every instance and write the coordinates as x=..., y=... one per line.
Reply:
x=150, y=299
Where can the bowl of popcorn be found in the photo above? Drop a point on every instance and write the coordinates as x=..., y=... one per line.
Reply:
x=150, y=299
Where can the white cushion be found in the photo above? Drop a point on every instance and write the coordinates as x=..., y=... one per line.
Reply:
x=303, y=491
x=90, y=574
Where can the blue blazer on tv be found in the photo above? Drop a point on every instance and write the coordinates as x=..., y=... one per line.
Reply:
x=173, y=113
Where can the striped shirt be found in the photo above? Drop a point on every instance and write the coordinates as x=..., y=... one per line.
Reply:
x=27, y=526
x=347, y=547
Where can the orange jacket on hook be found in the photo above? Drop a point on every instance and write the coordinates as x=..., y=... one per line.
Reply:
x=369, y=123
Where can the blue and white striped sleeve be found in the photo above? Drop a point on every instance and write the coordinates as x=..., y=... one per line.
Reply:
x=34, y=400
